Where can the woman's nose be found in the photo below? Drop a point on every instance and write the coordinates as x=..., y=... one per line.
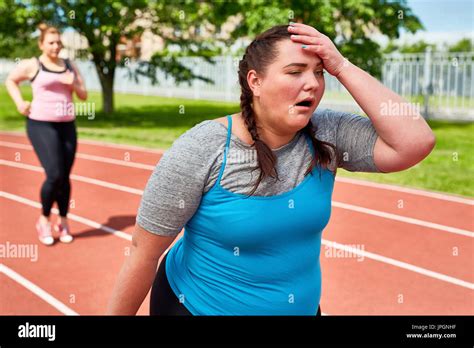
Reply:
x=311, y=82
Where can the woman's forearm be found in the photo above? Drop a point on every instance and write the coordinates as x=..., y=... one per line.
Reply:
x=133, y=283
x=396, y=121
x=14, y=91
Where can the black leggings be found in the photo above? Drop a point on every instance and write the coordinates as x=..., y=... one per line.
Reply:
x=163, y=301
x=55, y=145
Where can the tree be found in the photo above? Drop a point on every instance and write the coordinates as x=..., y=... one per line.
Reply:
x=105, y=22
x=14, y=17
x=348, y=23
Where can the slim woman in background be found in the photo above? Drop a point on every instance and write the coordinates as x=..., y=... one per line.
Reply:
x=50, y=125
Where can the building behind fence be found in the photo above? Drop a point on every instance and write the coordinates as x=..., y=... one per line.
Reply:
x=442, y=83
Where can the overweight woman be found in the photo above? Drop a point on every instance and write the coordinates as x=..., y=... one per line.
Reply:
x=253, y=189
x=50, y=125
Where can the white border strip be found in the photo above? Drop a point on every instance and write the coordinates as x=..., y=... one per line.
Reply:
x=75, y=177
x=86, y=156
x=35, y=289
x=399, y=264
x=406, y=190
x=405, y=219
x=73, y=217
x=98, y=143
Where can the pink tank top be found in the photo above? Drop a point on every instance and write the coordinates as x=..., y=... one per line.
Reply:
x=52, y=99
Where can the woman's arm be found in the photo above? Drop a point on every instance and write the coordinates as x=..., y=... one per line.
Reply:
x=138, y=272
x=23, y=71
x=78, y=84
x=404, y=137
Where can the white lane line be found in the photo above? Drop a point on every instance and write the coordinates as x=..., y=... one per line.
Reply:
x=75, y=177
x=35, y=289
x=100, y=159
x=404, y=219
x=359, y=182
x=123, y=146
x=32, y=287
x=334, y=203
x=99, y=143
x=399, y=264
x=331, y=244
x=435, y=195
x=73, y=217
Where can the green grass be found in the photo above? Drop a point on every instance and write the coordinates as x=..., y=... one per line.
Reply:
x=156, y=122
x=449, y=168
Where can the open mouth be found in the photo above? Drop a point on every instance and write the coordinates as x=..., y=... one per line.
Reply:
x=308, y=102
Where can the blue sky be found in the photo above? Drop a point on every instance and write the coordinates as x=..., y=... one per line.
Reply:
x=444, y=15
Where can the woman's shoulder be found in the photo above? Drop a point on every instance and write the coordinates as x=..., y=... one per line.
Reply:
x=28, y=66
x=204, y=130
x=204, y=138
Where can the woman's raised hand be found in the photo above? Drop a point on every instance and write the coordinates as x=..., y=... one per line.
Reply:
x=67, y=78
x=313, y=41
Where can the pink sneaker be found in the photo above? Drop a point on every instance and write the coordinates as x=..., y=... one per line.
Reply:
x=64, y=235
x=44, y=233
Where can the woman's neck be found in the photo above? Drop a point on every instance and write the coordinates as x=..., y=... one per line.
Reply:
x=47, y=59
x=274, y=138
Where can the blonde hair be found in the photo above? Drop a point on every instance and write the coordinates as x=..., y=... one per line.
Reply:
x=46, y=29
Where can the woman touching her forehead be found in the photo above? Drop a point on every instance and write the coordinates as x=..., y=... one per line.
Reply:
x=253, y=189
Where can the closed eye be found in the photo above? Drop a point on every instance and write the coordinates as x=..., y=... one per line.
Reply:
x=317, y=73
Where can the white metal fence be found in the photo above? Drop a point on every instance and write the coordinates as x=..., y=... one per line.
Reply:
x=442, y=83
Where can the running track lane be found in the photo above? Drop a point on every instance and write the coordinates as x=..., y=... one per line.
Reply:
x=332, y=277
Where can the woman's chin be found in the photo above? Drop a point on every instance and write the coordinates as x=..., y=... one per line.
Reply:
x=300, y=119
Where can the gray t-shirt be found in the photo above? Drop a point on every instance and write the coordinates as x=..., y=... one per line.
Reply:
x=191, y=166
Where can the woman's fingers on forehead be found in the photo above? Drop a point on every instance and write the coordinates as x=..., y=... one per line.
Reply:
x=306, y=39
x=301, y=28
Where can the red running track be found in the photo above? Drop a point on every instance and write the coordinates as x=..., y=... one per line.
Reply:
x=386, y=250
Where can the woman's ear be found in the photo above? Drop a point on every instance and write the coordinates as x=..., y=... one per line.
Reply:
x=254, y=82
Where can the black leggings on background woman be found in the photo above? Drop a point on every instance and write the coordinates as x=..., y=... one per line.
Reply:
x=55, y=145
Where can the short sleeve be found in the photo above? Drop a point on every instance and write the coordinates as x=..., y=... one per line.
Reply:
x=355, y=142
x=353, y=135
x=174, y=189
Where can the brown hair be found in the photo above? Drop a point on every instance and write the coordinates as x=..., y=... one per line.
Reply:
x=261, y=52
x=46, y=29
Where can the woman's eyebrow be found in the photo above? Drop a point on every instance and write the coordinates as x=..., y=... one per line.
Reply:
x=302, y=65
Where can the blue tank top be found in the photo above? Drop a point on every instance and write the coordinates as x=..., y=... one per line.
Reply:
x=256, y=255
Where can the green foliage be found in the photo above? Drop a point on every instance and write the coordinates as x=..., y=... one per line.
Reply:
x=181, y=24
x=463, y=45
x=347, y=22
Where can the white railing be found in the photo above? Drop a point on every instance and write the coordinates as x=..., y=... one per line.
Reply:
x=442, y=82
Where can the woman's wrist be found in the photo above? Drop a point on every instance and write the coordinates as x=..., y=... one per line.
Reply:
x=343, y=69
